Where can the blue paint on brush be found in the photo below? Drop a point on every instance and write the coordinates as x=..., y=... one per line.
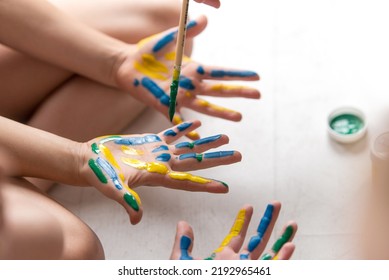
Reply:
x=155, y=90
x=186, y=83
x=184, y=246
x=136, y=82
x=138, y=140
x=200, y=70
x=160, y=149
x=240, y=74
x=219, y=154
x=107, y=167
x=187, y=156
x=184, y=145
x=207, y=140
x=244, y=256
x=262, y=227
x=170, y=132
x=184, y=126
x=164, y=157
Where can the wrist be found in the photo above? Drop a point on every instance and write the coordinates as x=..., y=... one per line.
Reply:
x=82, y=153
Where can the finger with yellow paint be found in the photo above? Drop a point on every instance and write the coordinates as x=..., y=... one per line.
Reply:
x=228, y=90
x=207, y=108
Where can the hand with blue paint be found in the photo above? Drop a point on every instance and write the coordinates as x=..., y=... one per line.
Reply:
x=231, y=246
x=117, y=164
x=147, y=73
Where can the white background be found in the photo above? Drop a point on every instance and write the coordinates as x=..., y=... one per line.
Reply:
x=313, y=56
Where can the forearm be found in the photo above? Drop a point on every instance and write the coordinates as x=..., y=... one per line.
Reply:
x=36, y=153
x=39, y=29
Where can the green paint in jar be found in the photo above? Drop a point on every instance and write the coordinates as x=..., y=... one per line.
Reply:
x=347, y=124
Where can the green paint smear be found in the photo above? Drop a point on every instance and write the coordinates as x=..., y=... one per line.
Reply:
x=110, y=138
x=130, y=200
x=223, y=183
x=283, y=239
x=266, y=257
x=211, y=258
x=96, y=169
x=347, y=124
x=191, y=145
x=199, y=157
x=95, y=148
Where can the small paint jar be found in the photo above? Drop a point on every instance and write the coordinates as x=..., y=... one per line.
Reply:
x=347, y=125
x=380, y=160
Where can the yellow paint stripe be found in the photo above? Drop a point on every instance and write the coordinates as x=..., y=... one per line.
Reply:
x=275, y=258
x=109, y=156
x=151, y=67
x=188, y=177
x=224, y=87
x=235, y=230
x=131, y=151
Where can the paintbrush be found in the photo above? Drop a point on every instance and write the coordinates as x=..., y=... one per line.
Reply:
x=179, y=53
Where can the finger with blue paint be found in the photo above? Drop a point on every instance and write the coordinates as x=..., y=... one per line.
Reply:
x=229, y=90
x=183, y=242
x=225, y=74
x=172, y=134
x=195, y=161
x=201, y=145
x=178, y=119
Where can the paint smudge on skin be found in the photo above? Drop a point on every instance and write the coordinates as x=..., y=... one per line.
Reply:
x=131, y=151
x=98, y=172
x=275, y=258
x=151, y=67
x=172, y=56
x=211, y=257
x=184, y=126
x=207, y=140
x=219, y=154
x=131, y=201
x=199, y=157
x=170, y=132
x=235, y=230
x=155, y=167
x=95, y=148
x=266, y=257
x=239, y=74
x=152, y=138
x=106, y=139
x=184, y=247
x=283, y=239
x=155, y=90
x=206, y=104
x=109, y=156
x=110, y=171
x=183, y=145
x=262, y=228
x=186, y=83
x=160, y=149
x=164, y=157
x=177, y=120
x=167, y=39
x=136, y=82
x=244, y=256
x=200, y=70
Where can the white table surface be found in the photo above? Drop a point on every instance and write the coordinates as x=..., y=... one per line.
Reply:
x=313, y=56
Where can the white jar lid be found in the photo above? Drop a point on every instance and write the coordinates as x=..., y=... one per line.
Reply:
x=380, y=148
x=347, y=125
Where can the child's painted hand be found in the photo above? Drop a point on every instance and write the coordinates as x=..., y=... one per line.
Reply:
x=147, y=74
x=213, y=3
x=117, y=164
x=230, y=248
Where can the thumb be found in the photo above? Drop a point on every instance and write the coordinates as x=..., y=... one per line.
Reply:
x=183, y=242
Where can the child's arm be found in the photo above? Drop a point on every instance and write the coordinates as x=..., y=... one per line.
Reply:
x=117, y=164
x=231, y=247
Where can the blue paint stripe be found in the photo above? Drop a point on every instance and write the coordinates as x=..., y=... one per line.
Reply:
x=170, y=132
x=186, y=83
x=244, y=256
x=219, y=154
x=167, y=39
x=207, y=140
x=184, y=126
x=155, y=90
x=136, y=82
x=107, y=167
x=160, y=149
x=138, y=140
x=262, y=228
x=187, y=156
x=184, y=145
x=200, y=70
x=241, y=74
x=184, y=246
x=163, y=157
x=191, y=24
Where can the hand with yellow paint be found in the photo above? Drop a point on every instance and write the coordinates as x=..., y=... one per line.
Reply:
x=232, y=247
x=117, y=164
x=146, y=73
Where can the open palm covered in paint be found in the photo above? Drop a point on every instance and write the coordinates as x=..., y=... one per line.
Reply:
x=232, y=247
x=146, y=72
x=118, y=163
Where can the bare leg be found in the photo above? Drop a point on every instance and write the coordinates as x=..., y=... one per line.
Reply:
x=36, y=227
x=26, y=82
